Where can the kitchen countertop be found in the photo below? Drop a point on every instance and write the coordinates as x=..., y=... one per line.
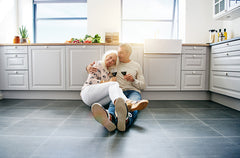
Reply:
x=97, y=44
x=229, y=40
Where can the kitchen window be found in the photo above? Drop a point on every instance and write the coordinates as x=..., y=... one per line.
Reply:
x=143, y=19
x=56, y=21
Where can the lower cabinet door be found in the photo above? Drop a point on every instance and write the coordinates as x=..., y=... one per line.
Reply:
x=193, y=80
x=15, y=80
x=77, y=59
x=47, y=67
x=162, y=72
x=227, y=83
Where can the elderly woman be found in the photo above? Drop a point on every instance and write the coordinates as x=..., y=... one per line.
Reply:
x=101, y=87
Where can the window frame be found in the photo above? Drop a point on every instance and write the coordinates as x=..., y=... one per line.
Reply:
x=174, y=17
x=35, y=19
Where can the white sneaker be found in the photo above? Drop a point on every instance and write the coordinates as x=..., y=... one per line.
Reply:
x=121, y=113
x=102, y=116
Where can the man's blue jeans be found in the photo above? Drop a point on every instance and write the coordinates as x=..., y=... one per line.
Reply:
x=132, y=95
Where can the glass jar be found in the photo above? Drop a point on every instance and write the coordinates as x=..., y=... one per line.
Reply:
x=212, y=36
x=16, y=39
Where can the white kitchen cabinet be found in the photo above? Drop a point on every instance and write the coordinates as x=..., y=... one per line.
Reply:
x=194, y=62
x=15, y=61
x=194, y=75
x=226, y=9
x=47, y=67
x=14, y=68
x=15, y=80
x=225, y=69
x=227, y=61
x=77, y=58
x=193, y=80
x=225, y=82
x=162, y=72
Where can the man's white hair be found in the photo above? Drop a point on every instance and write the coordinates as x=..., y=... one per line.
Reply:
x=106, y=54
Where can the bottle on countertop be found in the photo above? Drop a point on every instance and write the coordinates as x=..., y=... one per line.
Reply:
x=225, y=33
x=219, y=34
x=216, y=36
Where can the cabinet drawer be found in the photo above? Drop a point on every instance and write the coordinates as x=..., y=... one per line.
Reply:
x=14, y=49
x=229, y=61
x=227, y=48
x=227, y=44
x=193, y=62
x=193, y=50
x=15, y=61
x=15, y=80
x=227, y=83
x=193, y=80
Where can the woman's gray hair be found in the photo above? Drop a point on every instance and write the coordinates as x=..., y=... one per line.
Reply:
x=106, y=54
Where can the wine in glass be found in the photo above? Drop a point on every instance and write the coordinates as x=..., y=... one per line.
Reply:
x=124, y=73
x=114, y=72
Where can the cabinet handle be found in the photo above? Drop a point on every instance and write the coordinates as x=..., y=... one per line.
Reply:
x=16, y=72
x=15, y=47
x=16, y=55
x=227, y=44
x=227, y=54
x=226, y=74
x=194, y=72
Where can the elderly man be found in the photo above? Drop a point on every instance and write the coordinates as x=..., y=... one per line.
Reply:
x=131, y=81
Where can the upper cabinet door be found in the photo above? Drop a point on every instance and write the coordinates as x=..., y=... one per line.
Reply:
x=47, y=67
x=226, y=9
x=77, y=58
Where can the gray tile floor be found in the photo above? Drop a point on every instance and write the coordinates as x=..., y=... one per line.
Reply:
x=165, y=129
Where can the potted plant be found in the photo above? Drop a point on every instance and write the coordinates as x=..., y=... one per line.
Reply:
x=24, y=34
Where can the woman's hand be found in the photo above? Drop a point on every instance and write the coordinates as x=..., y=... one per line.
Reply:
x=90, y=68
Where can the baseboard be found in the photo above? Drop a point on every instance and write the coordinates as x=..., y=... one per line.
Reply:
x=225, y=100
x=75, y=95
x=178, y=95
x=59, y=95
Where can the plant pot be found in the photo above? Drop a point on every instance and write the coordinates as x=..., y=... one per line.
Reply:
x=23, y=40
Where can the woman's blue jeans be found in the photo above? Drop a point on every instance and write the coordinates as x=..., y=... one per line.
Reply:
x=132, y=95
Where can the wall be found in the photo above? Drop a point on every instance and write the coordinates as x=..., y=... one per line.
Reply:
x=198, y=20
x=25, y=16
x=105, y=15
x=232, y=28
x=8, y=20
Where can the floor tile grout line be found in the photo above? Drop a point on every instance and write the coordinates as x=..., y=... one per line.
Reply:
x=23, y=118
x=154, y=118
x=204, y=122
x=48, y=137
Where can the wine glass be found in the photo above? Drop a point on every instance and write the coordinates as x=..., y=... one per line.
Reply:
x=114, y=72
x=124, y=73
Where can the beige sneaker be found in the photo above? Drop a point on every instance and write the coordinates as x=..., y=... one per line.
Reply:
x=136, y=105
x=121, y=113
x=103, y=117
